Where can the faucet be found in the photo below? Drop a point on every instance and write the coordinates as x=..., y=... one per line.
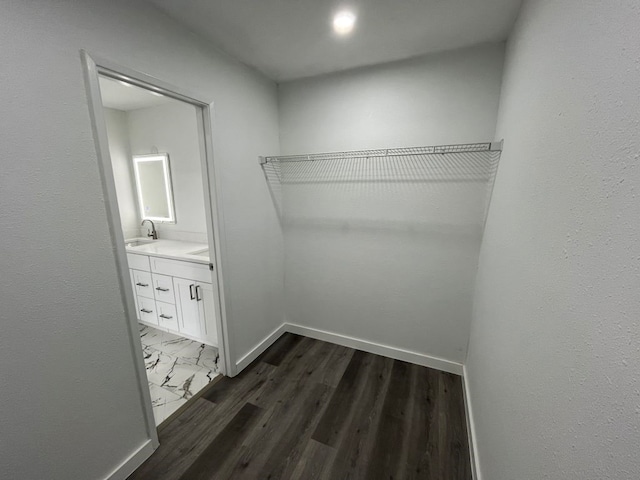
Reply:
x=151, y=233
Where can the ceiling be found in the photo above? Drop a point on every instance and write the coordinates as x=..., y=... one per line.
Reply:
x=291, y=39
x=121, y=97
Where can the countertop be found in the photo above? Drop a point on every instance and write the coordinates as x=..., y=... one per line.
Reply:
x=187, y=251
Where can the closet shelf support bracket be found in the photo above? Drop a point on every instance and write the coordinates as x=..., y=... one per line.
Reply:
x=496, y=146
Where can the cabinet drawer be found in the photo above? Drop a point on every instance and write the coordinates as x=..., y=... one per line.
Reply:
x=142, y=284
x=163, y=288
x=176, y=268
x=138, y=262
x=147, y=310
x=167, y=317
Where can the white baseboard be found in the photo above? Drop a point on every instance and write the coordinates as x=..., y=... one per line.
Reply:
x=384, y=350
x=136, y=459
x=260, y=347
x=471, y=429
x=346, y=341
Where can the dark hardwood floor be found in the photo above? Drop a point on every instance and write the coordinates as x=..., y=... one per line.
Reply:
x=308, y=409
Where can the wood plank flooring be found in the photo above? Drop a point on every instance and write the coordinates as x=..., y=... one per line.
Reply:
x=307, y=409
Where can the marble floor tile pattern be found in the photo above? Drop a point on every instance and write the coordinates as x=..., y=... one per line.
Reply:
x=177, y=368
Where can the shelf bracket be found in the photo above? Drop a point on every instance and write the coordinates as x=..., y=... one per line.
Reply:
x=496, y=146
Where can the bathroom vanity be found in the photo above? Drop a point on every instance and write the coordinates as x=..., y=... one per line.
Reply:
x=174, y=287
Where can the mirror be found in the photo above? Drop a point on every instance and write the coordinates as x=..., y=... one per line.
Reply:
x=153, y=182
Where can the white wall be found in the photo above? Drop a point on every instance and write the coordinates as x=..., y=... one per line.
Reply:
x=389, y=263
x=71, y=408
x=172, y=128
x=553, y=361
x=440, y=99
x=119, y=147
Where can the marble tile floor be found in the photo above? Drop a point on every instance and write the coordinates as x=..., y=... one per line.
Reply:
x=177, y=368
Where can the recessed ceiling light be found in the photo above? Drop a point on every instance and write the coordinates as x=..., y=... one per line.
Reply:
x=343, y=22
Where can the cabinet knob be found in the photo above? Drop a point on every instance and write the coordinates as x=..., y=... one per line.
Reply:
x=142, y=284
x=162, y=315
x=160, y=289
x=144, y=310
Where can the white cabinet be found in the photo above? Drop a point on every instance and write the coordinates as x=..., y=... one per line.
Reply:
x=210, y=305
x=138, y=262
x=174, y=296
x=147, y=310
x=196, y=307
x=176, y=268
x=162, y=288
x=189, y=306
x=142, y=284
x=167, y=317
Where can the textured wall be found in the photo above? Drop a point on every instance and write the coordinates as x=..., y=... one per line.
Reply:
x=70, y=401
x=554, y=361
x=393, y=262
x=450, y=97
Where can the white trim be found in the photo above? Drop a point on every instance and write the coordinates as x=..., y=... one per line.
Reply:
x=356, y=343
x=260, y=347
x=212, y=187
x=92, y=67
x=215, y=221
x=99, y=127
x=119, y=72
x=384, y=350
x=129, y=466
x=471, y=428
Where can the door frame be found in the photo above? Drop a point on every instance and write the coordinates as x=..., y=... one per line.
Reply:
x=93, y=66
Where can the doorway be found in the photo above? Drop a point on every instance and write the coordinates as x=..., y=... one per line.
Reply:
x=155, y=157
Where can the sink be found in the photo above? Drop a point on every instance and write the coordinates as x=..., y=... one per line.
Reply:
x=136, y=242
x=204, y=252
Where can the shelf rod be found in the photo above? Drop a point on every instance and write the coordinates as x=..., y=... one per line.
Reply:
x=389, y=152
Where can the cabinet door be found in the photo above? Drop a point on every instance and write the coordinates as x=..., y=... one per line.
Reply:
x=187, y=307
x=208, y=311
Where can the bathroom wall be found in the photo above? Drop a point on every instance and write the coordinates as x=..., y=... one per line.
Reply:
x=119, y=148
x=73, y=405
x=172, y=128
x=553, y=359
x=391, y=263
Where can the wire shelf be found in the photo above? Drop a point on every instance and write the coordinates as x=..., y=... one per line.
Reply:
x=463, y=167
x=413, y=175
x=386, y=152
